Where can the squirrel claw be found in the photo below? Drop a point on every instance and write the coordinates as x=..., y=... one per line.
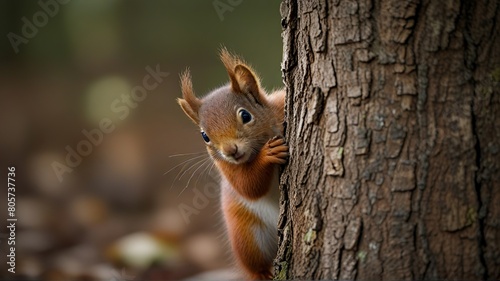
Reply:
x=277, y=150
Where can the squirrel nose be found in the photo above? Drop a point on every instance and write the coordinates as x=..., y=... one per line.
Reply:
x=230, y=149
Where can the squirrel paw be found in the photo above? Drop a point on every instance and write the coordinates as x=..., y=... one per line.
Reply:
x=276, y=150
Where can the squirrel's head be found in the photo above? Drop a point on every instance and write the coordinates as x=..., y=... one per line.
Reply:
x=235, y=120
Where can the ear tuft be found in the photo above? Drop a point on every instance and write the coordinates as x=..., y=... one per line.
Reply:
x=190, y=104
x=230, y=61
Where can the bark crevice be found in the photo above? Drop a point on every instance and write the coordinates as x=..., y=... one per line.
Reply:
x=480, y=210
x=470, y=65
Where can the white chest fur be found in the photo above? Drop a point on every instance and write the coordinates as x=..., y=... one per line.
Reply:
x=266, y=209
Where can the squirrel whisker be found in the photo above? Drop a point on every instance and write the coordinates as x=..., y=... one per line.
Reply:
x=186, y=154
x=210, y=171
x=181, y=164
x=187, y=162
x=192, y=166
x=202, y=173
x=189, y=180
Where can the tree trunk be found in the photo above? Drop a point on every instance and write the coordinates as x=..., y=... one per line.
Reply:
x=393, y=125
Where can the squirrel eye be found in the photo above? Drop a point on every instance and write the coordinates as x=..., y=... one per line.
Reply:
x=245, y=116
x=205, y=137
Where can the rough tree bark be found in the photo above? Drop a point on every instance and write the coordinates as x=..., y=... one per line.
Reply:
x=393, y=124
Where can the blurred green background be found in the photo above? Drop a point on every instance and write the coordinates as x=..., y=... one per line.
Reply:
x=116, y=216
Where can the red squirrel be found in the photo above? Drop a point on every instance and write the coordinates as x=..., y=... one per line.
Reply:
x=242, y=127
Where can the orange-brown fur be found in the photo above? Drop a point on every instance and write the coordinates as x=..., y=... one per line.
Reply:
x=243, y=243
x=247, y=155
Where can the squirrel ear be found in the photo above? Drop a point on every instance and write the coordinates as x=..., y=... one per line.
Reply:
x=190, y=104
x=246, y=81
x=243, y=79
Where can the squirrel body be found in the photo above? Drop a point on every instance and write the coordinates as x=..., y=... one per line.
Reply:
x=242, y=128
